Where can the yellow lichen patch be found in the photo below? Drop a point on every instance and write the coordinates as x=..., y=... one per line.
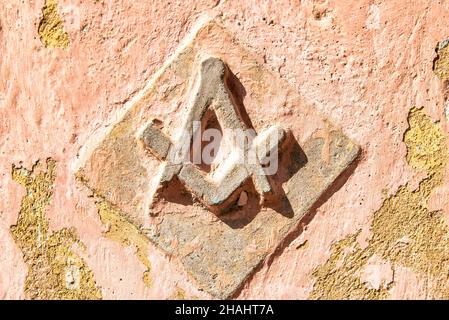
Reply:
x=125, y=233
x=339, y=277
x=51, y=27
x=404, y=231
x=441, y=63
x=55, y=270
x=426, y=144
x=180, y=294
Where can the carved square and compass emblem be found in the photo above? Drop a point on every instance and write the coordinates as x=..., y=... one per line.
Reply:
x=275, y=157
x=244, y=161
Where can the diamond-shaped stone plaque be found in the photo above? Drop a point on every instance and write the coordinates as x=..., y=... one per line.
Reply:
x=129, y=164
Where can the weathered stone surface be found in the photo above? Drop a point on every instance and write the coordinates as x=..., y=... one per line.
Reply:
x=220, y=253
x=244, y=159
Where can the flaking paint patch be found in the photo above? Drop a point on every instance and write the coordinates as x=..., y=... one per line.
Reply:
x=441, y=63
x=55, y=270
x=402, y=216
x=339, y=277
x=180, y=294
x=125, y=233
x=51, y=27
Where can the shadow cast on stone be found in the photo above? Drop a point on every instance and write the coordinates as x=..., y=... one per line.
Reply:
x=175, y=192
x=296, y=232
x=237, y=216
x=237, y=93
x=291, y=159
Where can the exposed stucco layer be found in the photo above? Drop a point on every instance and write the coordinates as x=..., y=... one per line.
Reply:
x=441, y=63
x=51, y=27
x=404, y=231
x=55, y=268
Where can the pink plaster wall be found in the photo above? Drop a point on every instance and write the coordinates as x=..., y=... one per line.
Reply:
x=363, y=63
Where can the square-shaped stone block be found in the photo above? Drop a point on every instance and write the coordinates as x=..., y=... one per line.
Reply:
x=219, y=252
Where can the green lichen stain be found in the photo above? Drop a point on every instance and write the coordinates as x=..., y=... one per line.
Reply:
x=402, y=216
x=51, y=27
x=55, y=270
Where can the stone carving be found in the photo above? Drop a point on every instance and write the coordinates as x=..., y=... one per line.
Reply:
x=214, y=191
x=220, y=251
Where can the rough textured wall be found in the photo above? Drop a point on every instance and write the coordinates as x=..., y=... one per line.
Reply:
x=376, y=70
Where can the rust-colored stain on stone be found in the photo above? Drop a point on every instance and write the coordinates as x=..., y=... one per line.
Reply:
x=51, y=27
x=55, y=269
x=404, y=215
